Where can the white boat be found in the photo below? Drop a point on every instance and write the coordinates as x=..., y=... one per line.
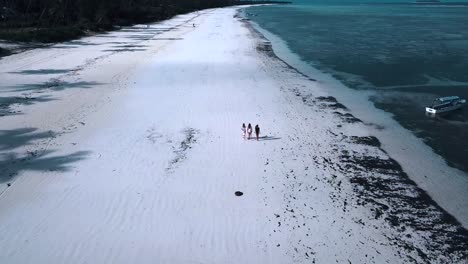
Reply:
x=445, y=104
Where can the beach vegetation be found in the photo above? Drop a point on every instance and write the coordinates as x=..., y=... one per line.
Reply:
x=60, y=20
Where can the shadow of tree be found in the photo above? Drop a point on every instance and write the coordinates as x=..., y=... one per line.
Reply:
x=80, y=43
x=167, y=39
x=7, y=102
x=14, y=138
x=54, y=84
x=131, y=46
x=61, y=46
x=140, y=37
x=143, y=30
x=12, y=164
x=119, y=42
x=105, y=35
x=41, y=71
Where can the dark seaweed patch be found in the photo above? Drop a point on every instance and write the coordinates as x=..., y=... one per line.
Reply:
x=185, y=145
x=383, y=185
x=347, y=117
x=330, y=99
x=330, y=102
x=369, y=141
x=337, y=106
x=266, y=48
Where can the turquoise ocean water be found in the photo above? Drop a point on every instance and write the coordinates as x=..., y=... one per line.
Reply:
x=406, y=54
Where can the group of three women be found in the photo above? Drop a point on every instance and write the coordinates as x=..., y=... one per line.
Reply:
x=249, y=131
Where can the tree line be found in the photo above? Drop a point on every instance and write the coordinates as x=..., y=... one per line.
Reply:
x=66, y=12
x=58, y=20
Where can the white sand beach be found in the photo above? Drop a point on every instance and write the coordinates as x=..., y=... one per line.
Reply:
x=126, y=147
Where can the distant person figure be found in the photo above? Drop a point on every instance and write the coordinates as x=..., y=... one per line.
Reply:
x=193, y=24
x=249, y=131
x=243, y=130
x=257, y=131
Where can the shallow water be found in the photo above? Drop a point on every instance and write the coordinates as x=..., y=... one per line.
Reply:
x=406, y=55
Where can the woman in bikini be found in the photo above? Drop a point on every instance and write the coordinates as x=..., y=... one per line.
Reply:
x=249, y=131
x=243, y=130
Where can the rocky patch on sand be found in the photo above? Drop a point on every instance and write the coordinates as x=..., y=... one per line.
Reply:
x=190, y=138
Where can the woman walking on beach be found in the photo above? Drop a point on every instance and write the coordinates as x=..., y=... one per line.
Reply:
x=249, y=131
x=243, y=130
x=257, y=131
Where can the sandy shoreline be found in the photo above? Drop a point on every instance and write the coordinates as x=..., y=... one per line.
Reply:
x=126, y=148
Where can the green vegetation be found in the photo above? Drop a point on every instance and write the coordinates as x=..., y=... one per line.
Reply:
x=42, y=34
x=59, y=20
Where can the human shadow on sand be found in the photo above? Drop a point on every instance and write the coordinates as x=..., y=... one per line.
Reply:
x=12, y=163
x=263, y=138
